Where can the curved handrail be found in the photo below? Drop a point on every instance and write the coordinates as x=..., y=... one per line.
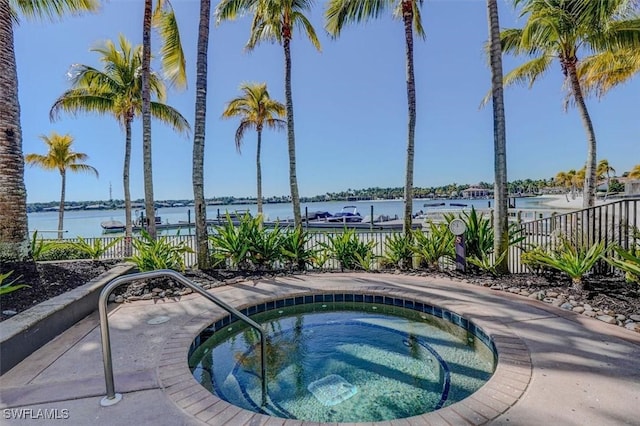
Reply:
x=112, y=397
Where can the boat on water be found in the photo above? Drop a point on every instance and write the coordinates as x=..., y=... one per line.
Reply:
x=347, y=214
x=433, y=204
x=112, y=226
x=458, y=204
x=350, y=218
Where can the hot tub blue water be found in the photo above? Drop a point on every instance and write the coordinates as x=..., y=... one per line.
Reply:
x=344, y=362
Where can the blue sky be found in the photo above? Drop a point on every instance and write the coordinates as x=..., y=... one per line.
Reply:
x=349, y=104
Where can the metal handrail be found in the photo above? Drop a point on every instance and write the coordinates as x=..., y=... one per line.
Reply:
x=112, y=397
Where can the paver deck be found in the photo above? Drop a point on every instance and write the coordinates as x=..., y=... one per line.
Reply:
x=555, y=367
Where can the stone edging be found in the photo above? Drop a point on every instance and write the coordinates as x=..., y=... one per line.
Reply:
x=504, y=388
x=29, y=330
x=569, y=303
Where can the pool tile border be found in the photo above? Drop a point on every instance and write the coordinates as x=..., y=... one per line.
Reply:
x=509, y=381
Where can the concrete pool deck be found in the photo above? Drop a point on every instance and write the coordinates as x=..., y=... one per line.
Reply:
x=555, y=367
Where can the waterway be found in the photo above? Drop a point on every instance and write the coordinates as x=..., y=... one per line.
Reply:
x=86, y=223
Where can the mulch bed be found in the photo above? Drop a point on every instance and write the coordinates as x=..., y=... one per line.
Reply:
x=51, y=279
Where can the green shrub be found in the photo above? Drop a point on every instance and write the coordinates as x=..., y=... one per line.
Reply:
x=479, y=239
x=158, y=254
x=294, y=249
x=398, y=252
x=350, y=252
x=60, y=250
x=265, y=245
x=487, y=263
x=39, y=247
x=430, y=246
x=576, y=260
x=10, y=286
x=95, y=249
x=320, y=258
x=628, y=261
x=230, y=243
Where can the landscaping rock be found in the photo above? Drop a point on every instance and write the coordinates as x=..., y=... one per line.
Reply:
x=536, y=295
x=578, y=309
x=607, y=318
x=633, y=326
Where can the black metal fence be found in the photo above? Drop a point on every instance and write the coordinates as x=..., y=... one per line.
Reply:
x=615, y=223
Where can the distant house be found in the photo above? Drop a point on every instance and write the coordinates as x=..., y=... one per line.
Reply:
x=476, y=193
x=632, y=187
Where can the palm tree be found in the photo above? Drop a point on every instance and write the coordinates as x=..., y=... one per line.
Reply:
x=200, y=120
x=14, y=235
x=635, y=172
x=559, y=29
x=256, y=109
x=173, y=63
x=60, y=157
x=500, y=213
x=570, y=180
x=341, y=12
x=561, y=179
x=116, y=91
x=275, y=20
x=604, y=170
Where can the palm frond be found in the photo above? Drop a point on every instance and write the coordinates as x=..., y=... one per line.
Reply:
x=171, y=116
x=52, y=9
x=528, y=72
x=75, y=101
x=173, y=59
x=603, y=71
x=341, y=12
x=242, y=128
x=417, y=19
x=229, y=10
x=303, y=24
x=83, y=168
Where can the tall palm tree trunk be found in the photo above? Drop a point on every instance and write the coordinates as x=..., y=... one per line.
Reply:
x=146, y=120
x=259, y=173
x=63, y=175
x=14, y=235
x=293, y=179
x=407, y=14
x=500, y=213
x=127, y=190
x=202, y=241
x=588, y=198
